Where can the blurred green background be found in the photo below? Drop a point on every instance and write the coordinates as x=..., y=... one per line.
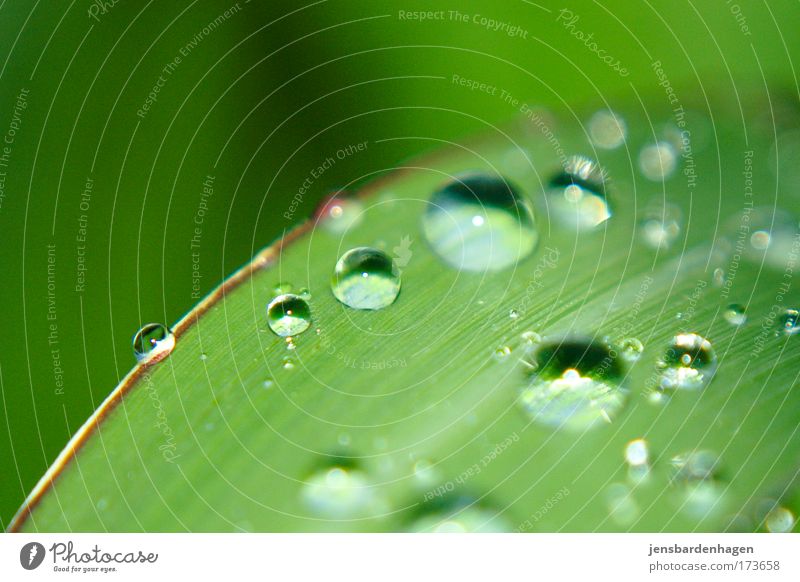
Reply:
x=257, y=95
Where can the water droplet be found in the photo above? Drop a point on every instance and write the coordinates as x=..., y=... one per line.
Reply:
x=759, y=240
x=622, y=507
x=268, y=383
x=287, y=363
x=637, y=453
x=281, y=288
x=153, y=343
x=779, y=520
x=203, y=357
x=719, y=277
x=479, y=222
x=471, y=519
x=689, y=363
x=773, y=239
x=502, y=353
x=577, y=195
x=304, y=293
x=513, y=314
x=658, y=161
x=288, y=315
x=607, y=130
x=630, y=348
x=734, y=314
x=366, y=278
x=344, y=439
x=790, y=322
x=661, y=227
x=341, y=493
x=425, y=472
x=341, y=214
x=573, y=382
x=695, y=465
x=530, y=338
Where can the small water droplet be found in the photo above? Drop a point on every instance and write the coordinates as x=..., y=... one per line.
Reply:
x=288, y=315
x=281, y=288
x=341, y=493
x=513, y=314
x=790, y=322
x=658, y=161
x=577, y=196
x=660, y=227
x=719, y=277
x=153, y=343
x=470, y=519
x=779, y=520
x=287, y=363
x=203, y=357
x=366, y=278
x=734, y=314
x=530, y=338
x=424, y=472
x=622, y=507
x=695, y=465
x=502, y=353
x=344, y=439
x=341, y=214
x=479, y=222
x=759, y=240
x=631, y=349
x=637, y=453
x=304, y=293
x=573, y=382
x=268, y=383
x=607, y=130
x=102, y=504
x=689, y=363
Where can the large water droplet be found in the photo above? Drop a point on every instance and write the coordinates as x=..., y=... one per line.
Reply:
x=658, y=161
x=288, y=315
x=153, y=342
x=341, y=493
x=480, y=223
x=366, y=278
x=573, y=382
x=790, y=322
x=577, y=195
x=689, y=363
x=607, y=130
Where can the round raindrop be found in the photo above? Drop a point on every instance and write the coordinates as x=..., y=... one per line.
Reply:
x=153, y=342
x=288, y=315
x=480, y=222
x=366, y=278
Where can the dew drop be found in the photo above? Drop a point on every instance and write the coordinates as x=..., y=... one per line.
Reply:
x=719, y=277
x=513, y=314
x=288, y=315
x=689, y=363
x=577, y=195
x=779, y=520
x=734, y=314
x=630, y=348
x=530, y=338
x=573, y=382
x=607, y=130
x=287, y=363
x=341, y=493
x=268, y=383
x=471, y=519
x=790, y=322
x=153, y=343
x=637, y=453
x=341, y=214
x=366, y=278
x=281, y=288
x=502, y=353
x=203, y=357
x=661, y=227
x=657, y=161
x=479, y=222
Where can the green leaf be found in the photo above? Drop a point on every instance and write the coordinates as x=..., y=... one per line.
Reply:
x=413, y=416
